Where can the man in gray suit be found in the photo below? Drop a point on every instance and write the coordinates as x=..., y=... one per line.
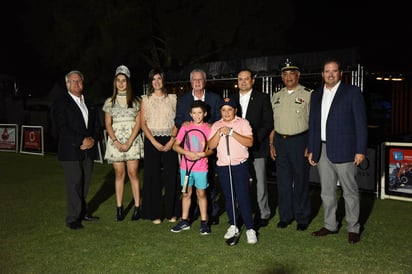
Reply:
x=338, y=136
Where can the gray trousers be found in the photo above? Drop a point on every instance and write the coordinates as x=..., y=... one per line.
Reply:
x=78, y=176
x=330, y=173
x=259, y=165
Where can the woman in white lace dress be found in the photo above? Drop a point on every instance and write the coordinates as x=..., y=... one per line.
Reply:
x=124, y=143
x=158, y=111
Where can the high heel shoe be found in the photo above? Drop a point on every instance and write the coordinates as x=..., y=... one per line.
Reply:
x=120, y=213
x=136, y=213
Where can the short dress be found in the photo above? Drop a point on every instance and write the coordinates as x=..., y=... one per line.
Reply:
x=123, y=121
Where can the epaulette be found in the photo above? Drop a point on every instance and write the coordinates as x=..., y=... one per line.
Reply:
x=308, y=89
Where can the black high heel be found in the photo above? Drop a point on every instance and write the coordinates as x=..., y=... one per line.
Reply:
x=120, y=213
x=136, y=213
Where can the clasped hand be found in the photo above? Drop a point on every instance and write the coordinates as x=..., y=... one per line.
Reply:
x=164, y=148
x=224, y=131
x=122, y=147
x=87, y=143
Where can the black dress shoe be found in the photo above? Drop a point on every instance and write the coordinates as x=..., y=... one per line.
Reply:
x=90, y=218
x=119, y=213
x=323, y=232
x=75, y=225
x=353, y=237
x=282, y=224
x=263, y=222
x=302, y=227
x=136, y=214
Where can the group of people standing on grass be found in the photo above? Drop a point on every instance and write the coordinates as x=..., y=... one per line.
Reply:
x=297, y=127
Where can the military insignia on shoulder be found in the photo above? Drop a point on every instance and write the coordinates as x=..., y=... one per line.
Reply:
x=308, y=89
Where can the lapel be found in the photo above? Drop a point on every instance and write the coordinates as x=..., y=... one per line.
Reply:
x=75, y=109
x=336, y=99
x=251, y=103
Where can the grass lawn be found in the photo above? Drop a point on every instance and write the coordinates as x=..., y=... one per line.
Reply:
x=34, y=238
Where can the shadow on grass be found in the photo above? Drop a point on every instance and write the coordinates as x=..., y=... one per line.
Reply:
x=367, y=201
x=105, y=191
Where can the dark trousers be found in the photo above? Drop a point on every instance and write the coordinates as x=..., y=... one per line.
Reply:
x=78, y=175
x=240, y=181
x=160, y=170
x=292, y=169
x=212, y=190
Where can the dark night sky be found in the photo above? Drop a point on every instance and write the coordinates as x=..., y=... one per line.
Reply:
x=382, y=34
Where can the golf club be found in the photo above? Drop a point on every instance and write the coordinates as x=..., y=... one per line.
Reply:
x=233, y=240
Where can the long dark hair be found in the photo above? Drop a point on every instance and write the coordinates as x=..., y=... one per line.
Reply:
x=152, y=74
x=130, y=97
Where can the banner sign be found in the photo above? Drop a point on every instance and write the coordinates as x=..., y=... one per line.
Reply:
x=9, y=137
x=397, y=171
x=32, y=140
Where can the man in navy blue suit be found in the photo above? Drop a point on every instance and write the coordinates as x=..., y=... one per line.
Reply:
x=78, y=131
x=212, y=100
x=337, y=145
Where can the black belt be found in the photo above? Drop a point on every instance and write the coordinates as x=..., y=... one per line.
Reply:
x=284, y=136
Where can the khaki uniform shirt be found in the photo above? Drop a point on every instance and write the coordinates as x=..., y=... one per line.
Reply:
x=291, y=111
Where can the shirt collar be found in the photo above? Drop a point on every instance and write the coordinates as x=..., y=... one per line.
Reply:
x=195, y=98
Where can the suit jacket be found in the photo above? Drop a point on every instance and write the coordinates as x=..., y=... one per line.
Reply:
x=184, y=101
x=346, y=125
x=72, y=129
x=259, y=113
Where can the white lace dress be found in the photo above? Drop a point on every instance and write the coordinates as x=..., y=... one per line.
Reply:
x=123, y=121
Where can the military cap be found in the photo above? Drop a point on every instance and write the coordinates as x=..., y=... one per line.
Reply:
x=288, y=65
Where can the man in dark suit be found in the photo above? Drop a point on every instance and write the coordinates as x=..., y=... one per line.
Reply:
x=212, y=100
x=337, y=144
x=78, y=131
x=256, y=108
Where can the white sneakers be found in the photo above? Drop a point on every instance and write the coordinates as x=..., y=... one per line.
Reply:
x=231, y=231
x=250, y=234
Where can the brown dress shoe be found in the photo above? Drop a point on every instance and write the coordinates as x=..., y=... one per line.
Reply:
x=323, y=232
x=353, y=237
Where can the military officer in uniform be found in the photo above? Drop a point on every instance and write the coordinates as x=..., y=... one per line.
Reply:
x=288, y=146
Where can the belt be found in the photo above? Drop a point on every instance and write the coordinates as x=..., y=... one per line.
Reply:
x=323, y=142
x=239, y=163
x=285, y=136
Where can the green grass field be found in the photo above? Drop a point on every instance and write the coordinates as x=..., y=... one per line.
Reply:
x=34, y=238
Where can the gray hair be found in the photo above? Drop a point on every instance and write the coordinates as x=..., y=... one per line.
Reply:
x=66, y=77
x=198, y=70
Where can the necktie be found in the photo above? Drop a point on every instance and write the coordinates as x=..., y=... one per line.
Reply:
x=84, y=110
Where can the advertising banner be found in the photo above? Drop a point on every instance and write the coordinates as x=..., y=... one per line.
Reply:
x=397, y=171
x=9, y=137
x=32, y=140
